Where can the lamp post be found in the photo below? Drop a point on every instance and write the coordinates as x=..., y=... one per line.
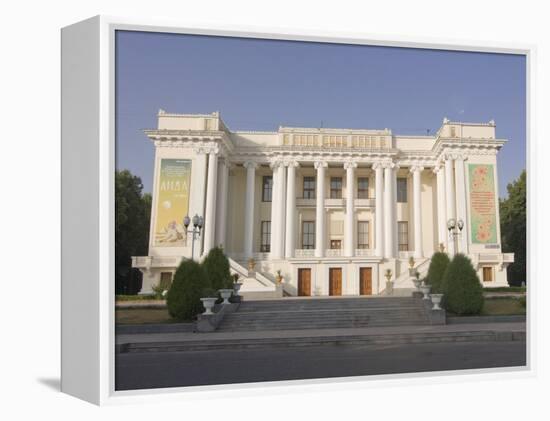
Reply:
x=452, y=226
x=198, y=222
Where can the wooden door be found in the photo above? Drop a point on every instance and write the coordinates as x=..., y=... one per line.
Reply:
x=304, y=282
x=365, y=281
x=488, y=274
x=335, y=281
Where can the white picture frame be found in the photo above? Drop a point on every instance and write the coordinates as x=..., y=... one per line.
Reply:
x=88, y=162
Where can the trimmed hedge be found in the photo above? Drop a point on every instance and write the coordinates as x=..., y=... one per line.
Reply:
x=216, y=269
x=462, y=287
x=183, y=298
x=436, y=271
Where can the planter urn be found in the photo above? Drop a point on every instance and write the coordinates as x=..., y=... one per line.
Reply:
x=417, y=283
x=226, y=295
x=208, y=303
x=436, y=300
x=425, y=289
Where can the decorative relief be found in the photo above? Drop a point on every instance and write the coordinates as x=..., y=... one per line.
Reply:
x=321, y=164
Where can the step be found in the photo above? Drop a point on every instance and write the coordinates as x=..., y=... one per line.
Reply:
x=358, y=339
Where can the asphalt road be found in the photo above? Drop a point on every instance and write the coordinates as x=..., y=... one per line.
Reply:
x=173, y=369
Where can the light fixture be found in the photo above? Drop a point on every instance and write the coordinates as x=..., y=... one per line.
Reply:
x=186, y=221
x=451, y=224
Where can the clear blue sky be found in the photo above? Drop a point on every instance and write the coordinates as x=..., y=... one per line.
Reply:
x=261, y=84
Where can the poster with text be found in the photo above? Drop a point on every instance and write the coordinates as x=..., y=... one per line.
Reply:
x=482, y=204
x=172, y=202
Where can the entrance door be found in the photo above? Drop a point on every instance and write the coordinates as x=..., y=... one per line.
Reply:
x=487, y=274
x=335, y=281
x=365, y=281
x=304, y=282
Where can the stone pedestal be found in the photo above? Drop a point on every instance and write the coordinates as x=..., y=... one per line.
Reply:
x=438, y=317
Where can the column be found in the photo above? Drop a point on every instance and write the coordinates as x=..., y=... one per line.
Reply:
x=349, y=246
x=290, y=209
x=379, y=209
x=460, y=181
x=441, y=218
x=417, y=206
x=249, y=208
x=277, y=210
x=210, y=215
x=221, y=209
x=281, y=199
x=449, y=198
x=198, y=172
x=389, y=211
x=274, y=229
x=320, y=210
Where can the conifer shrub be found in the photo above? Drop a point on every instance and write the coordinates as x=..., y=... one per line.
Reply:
x=216, y=269
x=462, y=288
x=437, y=268
x=183, y=298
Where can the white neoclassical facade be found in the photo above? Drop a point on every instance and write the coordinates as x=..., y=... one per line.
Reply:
x=334, y=210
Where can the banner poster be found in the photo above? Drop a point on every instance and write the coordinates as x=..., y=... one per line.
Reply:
x=482, y=204
x=172, y=202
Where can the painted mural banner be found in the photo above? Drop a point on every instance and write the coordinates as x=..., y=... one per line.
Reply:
x=172, y=202
x=482, y=203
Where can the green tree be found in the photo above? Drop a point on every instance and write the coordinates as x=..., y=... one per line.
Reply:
x=132, y=218
x=183, y=298
x=216, y=268
x=462, y=287
x=438, y=265
x=513, y=227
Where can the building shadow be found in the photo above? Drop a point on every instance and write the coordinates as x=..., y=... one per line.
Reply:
x=53, y=383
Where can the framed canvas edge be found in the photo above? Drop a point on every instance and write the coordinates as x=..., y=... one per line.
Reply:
x=108, y=395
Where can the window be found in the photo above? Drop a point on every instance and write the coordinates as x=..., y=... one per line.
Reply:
x=401, y=190
x=336, y=187
x=336, y=244
x=265, y=246
x=362, y=234
x=267, y=188
x=363, y=188
x=309, y=187
x=487, y=274
x=403, y=235
x=308, y=234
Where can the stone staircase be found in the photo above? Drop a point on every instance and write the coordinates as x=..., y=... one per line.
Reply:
x=255, y=285
x=325, y=313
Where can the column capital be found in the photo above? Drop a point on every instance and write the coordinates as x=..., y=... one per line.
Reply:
x=250, y=164
x=439, y=166
x=390, y=164
x=350, y=164
x=213, y=150
x=200, y=150
x=378, y=165
x=460, y=157
x=320, y=164
x=276, y=163
x=416, y=168
x=292, y=163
